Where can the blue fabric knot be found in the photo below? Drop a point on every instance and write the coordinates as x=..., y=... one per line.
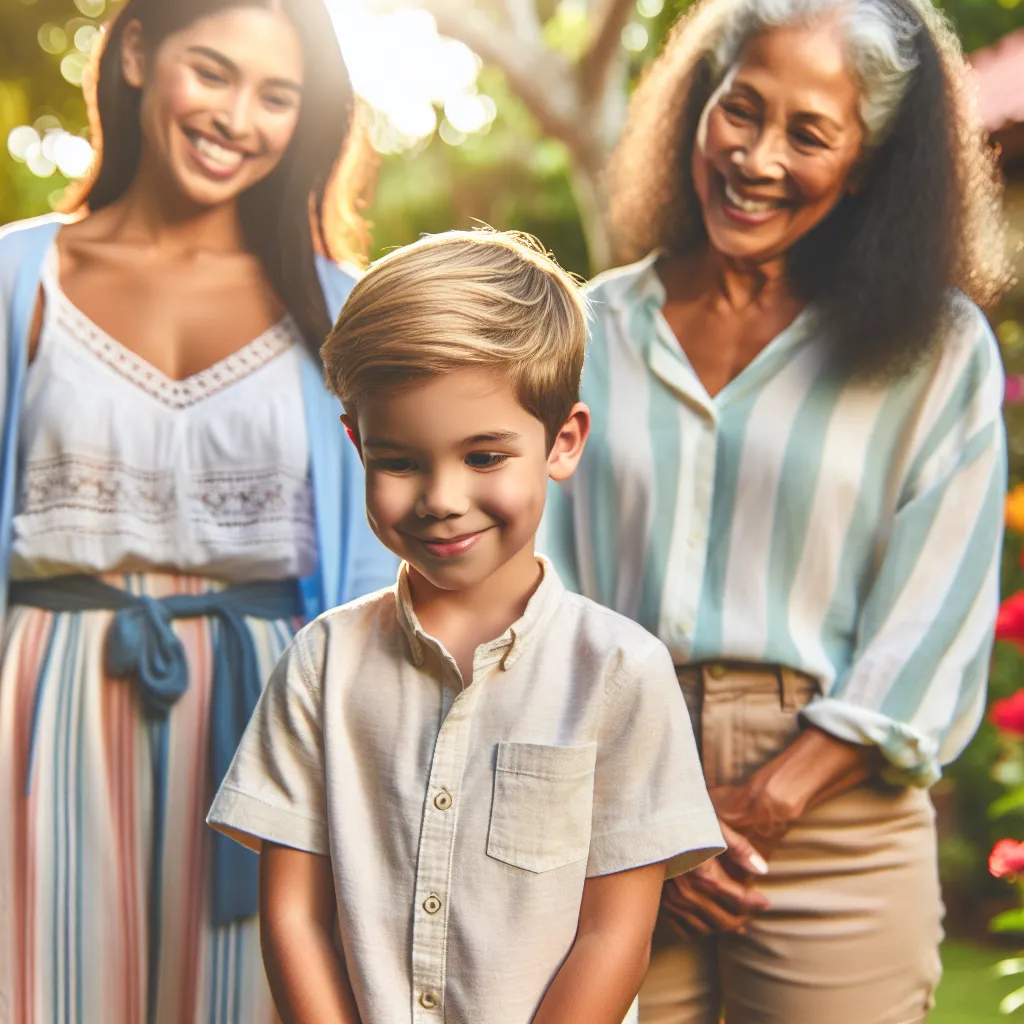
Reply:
x=141, y=645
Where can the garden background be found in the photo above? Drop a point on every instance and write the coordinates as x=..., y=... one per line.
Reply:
x=504, y=112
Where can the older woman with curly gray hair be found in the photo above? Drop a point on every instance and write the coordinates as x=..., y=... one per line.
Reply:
x=796, y=480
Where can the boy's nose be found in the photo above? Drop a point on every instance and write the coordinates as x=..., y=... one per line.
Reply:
x=441, y=497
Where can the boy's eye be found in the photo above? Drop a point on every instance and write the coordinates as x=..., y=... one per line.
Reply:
x=485, y=460
x=394, y=465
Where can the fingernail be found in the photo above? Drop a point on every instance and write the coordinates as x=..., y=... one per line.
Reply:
x=758, y=864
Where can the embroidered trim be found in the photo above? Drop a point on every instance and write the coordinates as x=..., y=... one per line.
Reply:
x=220, y=500
x=175, y=394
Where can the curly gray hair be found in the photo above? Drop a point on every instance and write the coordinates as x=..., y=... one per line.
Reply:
x=879, y=39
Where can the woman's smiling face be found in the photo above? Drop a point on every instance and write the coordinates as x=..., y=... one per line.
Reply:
x=779, y=142
x=220, y=100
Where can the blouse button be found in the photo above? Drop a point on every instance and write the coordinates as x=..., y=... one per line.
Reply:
x=716, y=671
x=429, y=1000
x=431, y=904
x=443, y=800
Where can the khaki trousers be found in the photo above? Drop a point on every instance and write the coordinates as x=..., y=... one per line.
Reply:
x=855, y=922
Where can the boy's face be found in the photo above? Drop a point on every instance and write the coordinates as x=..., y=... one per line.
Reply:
x=456, y=474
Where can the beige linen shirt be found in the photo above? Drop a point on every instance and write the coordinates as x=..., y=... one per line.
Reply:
x=462, y=820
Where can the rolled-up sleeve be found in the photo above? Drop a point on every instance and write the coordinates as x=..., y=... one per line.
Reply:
x=274, y=789
x=916, y=684
x=650, y=800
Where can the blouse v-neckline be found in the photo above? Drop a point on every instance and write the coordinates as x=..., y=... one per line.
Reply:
x=124, y=361
x=748, y=377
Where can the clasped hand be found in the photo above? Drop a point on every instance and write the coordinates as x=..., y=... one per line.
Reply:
x=720, y=895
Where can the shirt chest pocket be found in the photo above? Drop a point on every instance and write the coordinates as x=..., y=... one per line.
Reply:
x=542, y=806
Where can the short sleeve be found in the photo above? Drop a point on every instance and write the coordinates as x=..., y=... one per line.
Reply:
x=274, y=789
x=650, y=800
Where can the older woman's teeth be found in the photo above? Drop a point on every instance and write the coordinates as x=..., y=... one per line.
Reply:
x=228, y=159
x=750, y=205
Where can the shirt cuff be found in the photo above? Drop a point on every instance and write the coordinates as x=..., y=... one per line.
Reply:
x=682, y=846
x=243, y=817
x=912, y=755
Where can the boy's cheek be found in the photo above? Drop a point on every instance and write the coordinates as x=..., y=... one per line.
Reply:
x=388, y=500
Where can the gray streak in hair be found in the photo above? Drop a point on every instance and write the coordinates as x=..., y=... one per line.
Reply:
x=880, y=41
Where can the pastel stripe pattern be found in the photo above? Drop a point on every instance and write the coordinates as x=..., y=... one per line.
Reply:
x=75, y=851
x=850, y=530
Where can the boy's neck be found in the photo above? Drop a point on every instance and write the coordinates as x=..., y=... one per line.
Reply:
x=462, y=620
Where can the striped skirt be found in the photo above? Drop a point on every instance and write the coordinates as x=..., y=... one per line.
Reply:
x=76, y=802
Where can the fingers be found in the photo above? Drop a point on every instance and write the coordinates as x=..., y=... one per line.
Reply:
x=729, y=893
x=702, y=915
x=742, y=852
x=708, y=900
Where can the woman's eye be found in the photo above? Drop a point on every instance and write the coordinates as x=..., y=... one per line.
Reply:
x=210, y=77
x=279, y=102
x=485, y=460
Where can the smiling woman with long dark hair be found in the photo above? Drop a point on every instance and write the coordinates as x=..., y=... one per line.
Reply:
x=796, y=478
x=177, y=494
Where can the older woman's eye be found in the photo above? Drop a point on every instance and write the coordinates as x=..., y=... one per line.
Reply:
x=809, y=139
x=738, y=111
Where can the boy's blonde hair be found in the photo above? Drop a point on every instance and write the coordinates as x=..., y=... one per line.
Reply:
x=489, y=300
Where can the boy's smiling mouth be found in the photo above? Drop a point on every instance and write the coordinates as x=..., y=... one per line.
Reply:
x=449, y=547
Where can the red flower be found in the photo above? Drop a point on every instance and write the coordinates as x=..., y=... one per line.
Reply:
x=1010, y=623
x=1008, y=714
x=1006, y=858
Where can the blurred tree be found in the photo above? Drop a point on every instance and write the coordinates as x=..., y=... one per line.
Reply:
x=567, y=65
x=559, y=72
x=570, y=65
x=43, y=48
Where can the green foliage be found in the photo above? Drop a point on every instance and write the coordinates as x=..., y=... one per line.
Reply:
x=508, y=177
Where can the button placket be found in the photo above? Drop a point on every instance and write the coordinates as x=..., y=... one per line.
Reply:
x=432, y=895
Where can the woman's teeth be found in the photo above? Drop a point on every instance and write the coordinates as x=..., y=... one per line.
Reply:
x=750, y=205
x=226, y=159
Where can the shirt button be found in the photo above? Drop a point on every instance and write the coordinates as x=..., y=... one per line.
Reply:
x=696, y=537
x=431, y=904
x=716, y=671
x=430, y=1001
x=443, y=800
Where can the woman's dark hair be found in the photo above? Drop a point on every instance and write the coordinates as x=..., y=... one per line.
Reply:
x=293, y=213
x=878, y=269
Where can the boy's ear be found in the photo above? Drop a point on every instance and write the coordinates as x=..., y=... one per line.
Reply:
x=569, y=444
x=353, y=433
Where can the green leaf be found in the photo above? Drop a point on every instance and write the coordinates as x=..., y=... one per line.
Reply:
x=1008, y=921
x=1012, y=1002
x=1007, y=803
x=1003, y=969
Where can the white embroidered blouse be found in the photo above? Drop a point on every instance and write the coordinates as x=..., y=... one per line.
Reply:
x=123, y=469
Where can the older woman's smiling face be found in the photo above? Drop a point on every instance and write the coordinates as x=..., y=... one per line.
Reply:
x=780, y=142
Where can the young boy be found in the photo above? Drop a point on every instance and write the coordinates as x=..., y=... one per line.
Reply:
x=469, y=788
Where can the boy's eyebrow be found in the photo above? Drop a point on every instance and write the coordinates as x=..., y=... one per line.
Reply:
x=381, y=442
x=496, y=436
x=492, y=437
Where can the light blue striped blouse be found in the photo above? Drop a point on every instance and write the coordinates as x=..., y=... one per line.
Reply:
x=848, y=530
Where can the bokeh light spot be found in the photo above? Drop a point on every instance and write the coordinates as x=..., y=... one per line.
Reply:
x=52, y=38
x=21, y=140
x=72, y=67
x=635, y=37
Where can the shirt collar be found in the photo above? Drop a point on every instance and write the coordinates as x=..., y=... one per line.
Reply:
x=507, y=648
